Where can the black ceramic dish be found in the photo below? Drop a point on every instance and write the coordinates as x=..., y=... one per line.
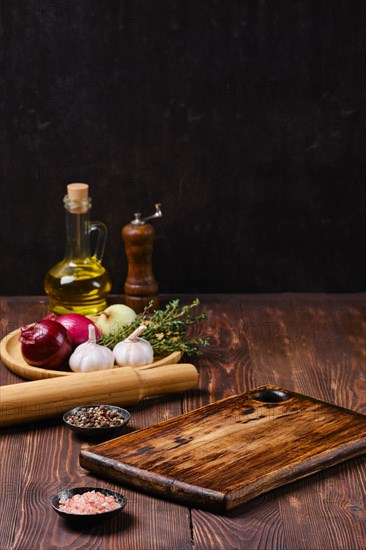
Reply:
x=87, y=518
x=102, y=432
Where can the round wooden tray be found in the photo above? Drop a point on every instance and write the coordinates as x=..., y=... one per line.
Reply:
x=11, y=355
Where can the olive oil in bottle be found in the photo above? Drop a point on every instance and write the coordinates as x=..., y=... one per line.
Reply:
x=79, y=283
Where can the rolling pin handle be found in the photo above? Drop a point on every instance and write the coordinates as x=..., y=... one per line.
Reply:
x=38, y=399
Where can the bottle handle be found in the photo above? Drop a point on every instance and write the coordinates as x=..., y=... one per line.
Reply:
x=101, y=238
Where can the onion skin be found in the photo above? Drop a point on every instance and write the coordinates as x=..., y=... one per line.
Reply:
x=45, y=344
x=77, y=326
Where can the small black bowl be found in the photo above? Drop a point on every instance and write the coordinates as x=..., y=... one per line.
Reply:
x=102, y=432
x=87, y=518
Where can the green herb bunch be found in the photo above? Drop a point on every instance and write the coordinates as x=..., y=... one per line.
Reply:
x=166, y=329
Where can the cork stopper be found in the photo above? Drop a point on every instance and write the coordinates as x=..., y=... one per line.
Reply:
x=77, y=200
x=77, y=191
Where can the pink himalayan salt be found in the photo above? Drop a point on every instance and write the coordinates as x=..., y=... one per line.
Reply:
x=91, y=502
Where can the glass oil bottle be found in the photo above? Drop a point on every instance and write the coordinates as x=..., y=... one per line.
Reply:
x=79, y=283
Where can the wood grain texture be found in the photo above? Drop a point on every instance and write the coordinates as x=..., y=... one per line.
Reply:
x=222, y=455
x=311, y=344
x=40, y=399
x=140, y=286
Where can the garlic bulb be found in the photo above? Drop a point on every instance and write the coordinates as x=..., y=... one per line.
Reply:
x=134, y=351
x=90, y=356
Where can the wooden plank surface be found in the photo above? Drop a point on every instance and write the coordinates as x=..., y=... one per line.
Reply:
x=221, y=455
x=311, y=344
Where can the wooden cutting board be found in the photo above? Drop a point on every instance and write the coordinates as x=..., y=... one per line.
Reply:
x=219, y=456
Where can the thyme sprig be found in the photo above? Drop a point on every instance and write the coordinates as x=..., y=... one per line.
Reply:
x=166, y=329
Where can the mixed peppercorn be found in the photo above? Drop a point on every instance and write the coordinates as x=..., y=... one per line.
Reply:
x=96, y=417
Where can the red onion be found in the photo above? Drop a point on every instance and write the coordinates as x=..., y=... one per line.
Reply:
x=78, y=327
x=45, y=344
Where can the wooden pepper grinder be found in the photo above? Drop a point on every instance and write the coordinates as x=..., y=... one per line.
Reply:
x=140, y=287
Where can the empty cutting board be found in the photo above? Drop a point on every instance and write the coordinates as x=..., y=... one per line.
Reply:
x=219, y=456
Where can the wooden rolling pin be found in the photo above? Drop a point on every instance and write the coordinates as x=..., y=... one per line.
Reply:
x=30, y=401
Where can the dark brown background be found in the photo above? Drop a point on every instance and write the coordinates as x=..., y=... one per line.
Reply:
x=245, y=119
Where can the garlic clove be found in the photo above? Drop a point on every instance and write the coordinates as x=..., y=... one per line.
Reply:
x=90, y=356
x=134, y=351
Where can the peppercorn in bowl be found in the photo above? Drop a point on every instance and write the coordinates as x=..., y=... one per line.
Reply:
x=97, y=420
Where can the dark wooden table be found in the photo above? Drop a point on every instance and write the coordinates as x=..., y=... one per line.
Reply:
x=313, y=344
